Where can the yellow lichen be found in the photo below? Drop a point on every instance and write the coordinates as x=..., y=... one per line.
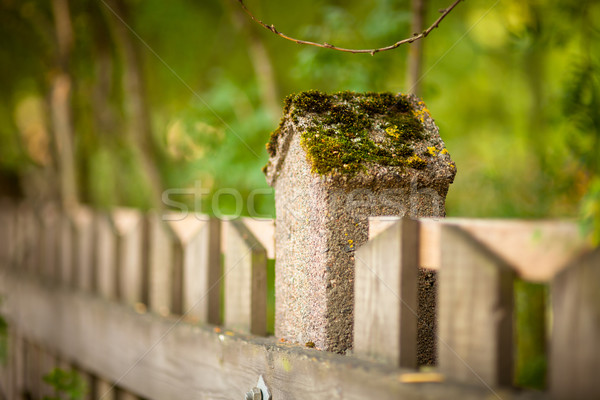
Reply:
x=422, y=113
x=416, y=162
x=444, y=151
x=432, y=151
x=393, y=131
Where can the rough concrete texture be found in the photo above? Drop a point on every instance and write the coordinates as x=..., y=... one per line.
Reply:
x=426, y=318
x=323, y=218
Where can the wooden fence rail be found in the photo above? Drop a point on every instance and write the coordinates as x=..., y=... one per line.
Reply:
x=174, y=307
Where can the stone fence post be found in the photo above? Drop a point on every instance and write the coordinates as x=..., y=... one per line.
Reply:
x=335, y=160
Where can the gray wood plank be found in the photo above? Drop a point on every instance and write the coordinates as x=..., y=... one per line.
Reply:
x=105, y=257
x=158, y=358
x=197, y=289
x=66, y=254
x=22, y=236
x=18, y=350
x=7, y=233
x=47, y=363
x=575, y=346
x=8, y=372
x=215, y=272
x=104, y=390
x=385, y=295
x=28, y=227
x=83, y=236
x=125, y=395
x=128, y=225
x=160, y=264
x=49, y=244
x=475, y=310
x=245, y=278
x=33, y=372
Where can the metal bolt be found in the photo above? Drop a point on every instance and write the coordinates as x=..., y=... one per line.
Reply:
x=259, y=392
x=254, y=394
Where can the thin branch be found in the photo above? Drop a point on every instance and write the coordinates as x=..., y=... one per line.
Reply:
x=414, y=38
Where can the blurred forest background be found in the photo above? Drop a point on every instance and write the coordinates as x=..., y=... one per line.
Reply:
x=109, y=102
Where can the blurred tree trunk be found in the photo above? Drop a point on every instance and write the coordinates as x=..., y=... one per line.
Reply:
x=531, y=363
x=60, y=106
x=105, y=117
x=261, y=61
x=138, y=126
x=415, y=50
x=535, y=71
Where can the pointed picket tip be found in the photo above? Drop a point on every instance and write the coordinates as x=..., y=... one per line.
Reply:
x=126, y=219
x=264, y=231
x=185, y=226
x=81, y=215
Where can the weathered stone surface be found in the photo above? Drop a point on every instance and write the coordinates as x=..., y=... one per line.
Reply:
x=335, y=161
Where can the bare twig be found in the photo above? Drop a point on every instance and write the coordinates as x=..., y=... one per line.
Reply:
x=415, y=37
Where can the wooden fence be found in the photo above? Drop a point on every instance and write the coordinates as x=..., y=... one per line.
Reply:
x=175, y=307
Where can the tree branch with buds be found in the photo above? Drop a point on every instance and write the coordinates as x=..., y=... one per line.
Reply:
x=414, y=38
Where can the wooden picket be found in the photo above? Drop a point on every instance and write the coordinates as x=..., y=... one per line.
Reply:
x=475, y=312
x=197, y=267
x=245, y=277
x=385, y=295
x=575, y=350
x=83, y=236
x=129, y=234
x=104, y=280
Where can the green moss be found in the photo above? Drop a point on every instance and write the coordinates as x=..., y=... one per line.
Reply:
x=304, y=102
x=287, y=105
x=402, y=105
x=272, y=143
x=312, y=101
x=339, y=139
x=377, y=103
x=408, y=125
x=346, y=95
x=347, y=118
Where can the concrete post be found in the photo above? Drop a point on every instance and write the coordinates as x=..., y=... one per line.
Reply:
x=336, y=160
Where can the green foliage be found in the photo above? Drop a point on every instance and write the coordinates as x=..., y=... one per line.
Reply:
x=581, y=105
x=225, y=132
x=68, y=385
x=513, y=87
x=590, y=211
